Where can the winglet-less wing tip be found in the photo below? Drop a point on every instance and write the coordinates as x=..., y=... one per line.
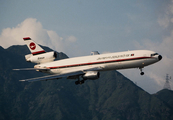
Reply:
x=22, y=80
x=16, y=69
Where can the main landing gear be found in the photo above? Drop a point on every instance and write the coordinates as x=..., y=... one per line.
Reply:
x=79, y=81
x=142, y=73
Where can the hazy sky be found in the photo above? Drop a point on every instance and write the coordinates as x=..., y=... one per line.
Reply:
x=77, y=27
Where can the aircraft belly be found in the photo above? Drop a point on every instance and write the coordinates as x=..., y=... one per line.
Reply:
x=55, y=71
x=150, y=61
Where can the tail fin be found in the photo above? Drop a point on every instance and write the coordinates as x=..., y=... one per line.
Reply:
x=33, y=47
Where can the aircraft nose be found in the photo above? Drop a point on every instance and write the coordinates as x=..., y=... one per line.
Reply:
x=159, y=57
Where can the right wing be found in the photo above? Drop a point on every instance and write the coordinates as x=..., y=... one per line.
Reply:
x=32, y=69
x=50, y=77
x=57, y=76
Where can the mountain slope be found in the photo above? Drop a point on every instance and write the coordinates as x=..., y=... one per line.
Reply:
x=166, y=96
x=112, y=96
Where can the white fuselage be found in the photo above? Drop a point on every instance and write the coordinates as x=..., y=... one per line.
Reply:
x=110, y=61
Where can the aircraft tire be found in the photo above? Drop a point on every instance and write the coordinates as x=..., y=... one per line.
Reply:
x=142, y=73
x=82, y=81
x=77, y=82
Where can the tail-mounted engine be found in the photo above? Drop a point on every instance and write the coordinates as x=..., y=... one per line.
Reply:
x=41, y=58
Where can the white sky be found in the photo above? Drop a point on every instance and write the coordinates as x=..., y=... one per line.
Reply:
x=77, y=27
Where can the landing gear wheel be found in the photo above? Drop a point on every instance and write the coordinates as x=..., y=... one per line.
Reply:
x=82, y=81
x=142, y=73
x=77, y=82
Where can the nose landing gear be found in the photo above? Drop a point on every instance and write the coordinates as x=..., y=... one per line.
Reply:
x=142, y=73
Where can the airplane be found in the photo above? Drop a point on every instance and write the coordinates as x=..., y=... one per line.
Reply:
x=85, y=67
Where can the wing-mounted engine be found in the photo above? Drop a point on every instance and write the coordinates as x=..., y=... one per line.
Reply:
x=95, y=53
x=41, y=58
x=91, y=75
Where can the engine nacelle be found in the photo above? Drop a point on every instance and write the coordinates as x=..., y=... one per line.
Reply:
x=41, y=58
x=92, y=75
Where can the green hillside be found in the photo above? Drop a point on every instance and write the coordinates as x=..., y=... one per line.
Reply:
x=111, y=97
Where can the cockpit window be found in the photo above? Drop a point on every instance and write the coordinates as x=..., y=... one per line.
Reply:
x=154, y=54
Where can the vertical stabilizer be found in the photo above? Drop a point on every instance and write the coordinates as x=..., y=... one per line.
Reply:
x=33, y=46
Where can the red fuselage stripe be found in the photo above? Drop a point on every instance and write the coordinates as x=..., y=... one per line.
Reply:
x=101, y=62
